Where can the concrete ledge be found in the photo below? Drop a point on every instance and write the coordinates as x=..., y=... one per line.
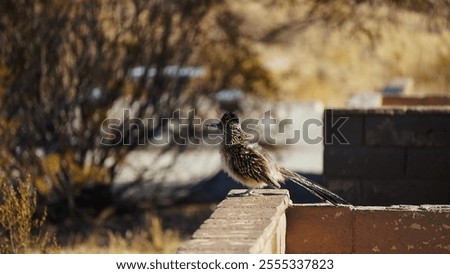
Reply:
x=429, y=100
x=251, y=224
x=322, y=228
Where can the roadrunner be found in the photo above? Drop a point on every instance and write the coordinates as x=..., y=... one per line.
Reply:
x=247, y=163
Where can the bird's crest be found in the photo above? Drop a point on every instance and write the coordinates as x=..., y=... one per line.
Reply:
x=229, y=117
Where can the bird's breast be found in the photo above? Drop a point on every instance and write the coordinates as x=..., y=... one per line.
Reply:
x=239, y=166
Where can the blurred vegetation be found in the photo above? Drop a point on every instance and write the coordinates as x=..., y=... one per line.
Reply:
x=64, y=67
x=153, y=239
x=22, y=230
x=327, y=50
x=65, y=64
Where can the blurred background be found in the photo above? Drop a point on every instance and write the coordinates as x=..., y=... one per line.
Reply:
x=67, y=66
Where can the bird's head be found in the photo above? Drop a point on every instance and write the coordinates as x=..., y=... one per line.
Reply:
x=228, y=119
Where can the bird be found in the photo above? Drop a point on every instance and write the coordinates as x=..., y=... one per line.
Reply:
x=249, y=164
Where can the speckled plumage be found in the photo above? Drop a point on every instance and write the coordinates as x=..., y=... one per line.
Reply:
x=247, y=163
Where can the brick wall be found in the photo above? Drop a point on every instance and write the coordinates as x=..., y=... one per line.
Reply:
x=430, y=100
x=247, y=224
x=393, y=155
x=270, y=223
x=322, y=228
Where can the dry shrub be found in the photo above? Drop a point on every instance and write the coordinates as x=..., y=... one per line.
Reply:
x=155, y=239
x=65, y=70
x=20, y=230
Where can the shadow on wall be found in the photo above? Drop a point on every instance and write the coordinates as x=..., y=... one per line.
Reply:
x=394, y=156
x=217, y=188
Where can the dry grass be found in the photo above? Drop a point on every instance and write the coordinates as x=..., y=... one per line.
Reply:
x=140, y=231
x=21, y=231
x=153, y=240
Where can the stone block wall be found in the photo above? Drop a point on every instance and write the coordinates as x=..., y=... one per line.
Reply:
x=391, y=155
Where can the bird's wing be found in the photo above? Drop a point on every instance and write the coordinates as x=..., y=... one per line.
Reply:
x=254, y=164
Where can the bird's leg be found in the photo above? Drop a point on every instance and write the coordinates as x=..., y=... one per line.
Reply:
x=249, y=192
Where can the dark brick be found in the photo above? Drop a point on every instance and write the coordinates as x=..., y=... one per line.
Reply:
x=348, y=189
x=343, y=162
x=404, y=191
x=352, y=129
x=408, y=130
x=428, y=163
x=384, y=162
x=363, y=162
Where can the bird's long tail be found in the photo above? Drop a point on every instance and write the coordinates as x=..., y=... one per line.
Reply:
x=312, y=187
